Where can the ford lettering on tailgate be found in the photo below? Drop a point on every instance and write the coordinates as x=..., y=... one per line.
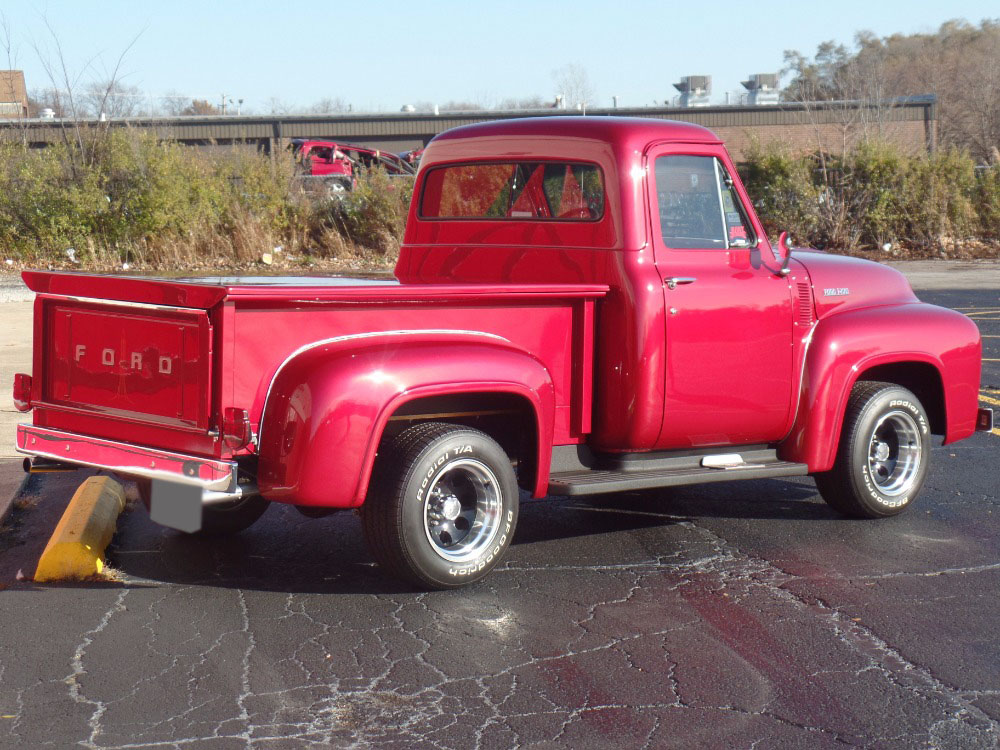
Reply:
x=148, y=363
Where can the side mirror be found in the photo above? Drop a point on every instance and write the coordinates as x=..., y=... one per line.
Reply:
x=784, y=252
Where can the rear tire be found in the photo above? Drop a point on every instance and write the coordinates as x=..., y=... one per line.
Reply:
x=883, y=454
x=232, y=518
x=443, y=506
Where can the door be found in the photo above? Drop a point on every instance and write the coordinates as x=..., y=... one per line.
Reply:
x=728, y=309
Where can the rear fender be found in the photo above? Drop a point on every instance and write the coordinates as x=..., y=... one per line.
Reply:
x=329, y=405
x=845, y=346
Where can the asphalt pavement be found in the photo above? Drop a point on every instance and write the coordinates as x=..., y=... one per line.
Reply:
x=719, y=616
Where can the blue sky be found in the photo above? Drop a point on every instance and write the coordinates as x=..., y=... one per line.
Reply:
x=380, y=55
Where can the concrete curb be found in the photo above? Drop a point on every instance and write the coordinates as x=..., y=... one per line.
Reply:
x=76, y=548
x=12, y=482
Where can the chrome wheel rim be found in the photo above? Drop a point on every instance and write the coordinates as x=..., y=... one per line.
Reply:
x=895, y=453
x=462, y=510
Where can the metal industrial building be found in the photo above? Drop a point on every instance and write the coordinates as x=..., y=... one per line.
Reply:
x=830, y=126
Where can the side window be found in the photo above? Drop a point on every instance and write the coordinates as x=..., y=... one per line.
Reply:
x=698, y=205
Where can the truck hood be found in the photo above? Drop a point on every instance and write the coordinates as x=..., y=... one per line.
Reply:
x=842, y=283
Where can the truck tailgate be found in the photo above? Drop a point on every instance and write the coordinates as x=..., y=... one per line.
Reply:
x=141, y=362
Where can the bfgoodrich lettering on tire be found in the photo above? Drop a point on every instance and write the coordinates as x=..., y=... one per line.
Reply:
x=443, y=505
x=883, y=454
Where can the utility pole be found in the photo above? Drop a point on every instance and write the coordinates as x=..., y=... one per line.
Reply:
x=223, y=107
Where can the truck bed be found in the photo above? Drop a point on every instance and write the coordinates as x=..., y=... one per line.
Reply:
x=155, y=361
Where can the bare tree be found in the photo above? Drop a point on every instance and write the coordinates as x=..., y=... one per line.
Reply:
x=957, y=63
x=39, y=99
x=527, y=102
x=327, y=105
x=275, y=106
x=573, y=84
x=62, y=87
x=462, y=105
x=173, y=103
x=818, y=79
x=111, y=99
x=11, y=55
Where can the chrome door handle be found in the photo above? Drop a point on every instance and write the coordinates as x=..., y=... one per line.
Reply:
x=674, y=281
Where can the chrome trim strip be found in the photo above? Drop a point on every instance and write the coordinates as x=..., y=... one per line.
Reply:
x=117, y=303
x=352, y=336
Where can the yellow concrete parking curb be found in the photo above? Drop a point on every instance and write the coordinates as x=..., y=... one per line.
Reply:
x=76, y=549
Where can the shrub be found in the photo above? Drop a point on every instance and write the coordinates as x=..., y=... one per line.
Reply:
x=783, y=191
x=875, y=196
x=122, y=195
x=987, y=201
x=939, y=192
x=373, y=214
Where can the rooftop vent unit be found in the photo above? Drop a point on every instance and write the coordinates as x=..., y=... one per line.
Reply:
x=763, y=88
x=695, y=91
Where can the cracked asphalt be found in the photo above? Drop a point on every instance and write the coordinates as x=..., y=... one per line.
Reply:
x=723, y=616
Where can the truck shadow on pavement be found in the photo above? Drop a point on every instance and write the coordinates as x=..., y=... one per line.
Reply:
x=287, y=552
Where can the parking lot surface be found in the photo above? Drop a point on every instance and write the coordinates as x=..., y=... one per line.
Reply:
x=730, y=615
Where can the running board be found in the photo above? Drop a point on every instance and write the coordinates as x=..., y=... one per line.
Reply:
x=598, y=481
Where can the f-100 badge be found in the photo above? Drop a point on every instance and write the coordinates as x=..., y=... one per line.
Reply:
x=836, y=292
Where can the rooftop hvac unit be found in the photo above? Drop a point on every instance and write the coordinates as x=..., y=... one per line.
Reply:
x=763, y=88
x=695, y=91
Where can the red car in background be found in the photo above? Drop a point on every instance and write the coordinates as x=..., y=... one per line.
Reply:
x=412, y=157
x=342, y=162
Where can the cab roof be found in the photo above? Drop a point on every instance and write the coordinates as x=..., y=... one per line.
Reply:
x=617, y=131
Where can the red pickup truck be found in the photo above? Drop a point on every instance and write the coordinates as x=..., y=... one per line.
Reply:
x=581, y=306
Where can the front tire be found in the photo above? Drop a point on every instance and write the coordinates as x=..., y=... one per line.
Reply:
x=443, y=506
x=883, y=455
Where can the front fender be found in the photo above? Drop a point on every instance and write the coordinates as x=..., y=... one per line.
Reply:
x=843, y=346
x=328, y=406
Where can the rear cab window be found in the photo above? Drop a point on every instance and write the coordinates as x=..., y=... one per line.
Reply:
x=522, y=190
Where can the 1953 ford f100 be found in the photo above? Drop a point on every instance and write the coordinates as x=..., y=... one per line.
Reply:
x=581, y=305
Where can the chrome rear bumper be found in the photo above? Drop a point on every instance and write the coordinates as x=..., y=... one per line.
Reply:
x=124, y=458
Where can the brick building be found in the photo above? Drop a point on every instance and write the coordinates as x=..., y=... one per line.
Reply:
x=13, y=95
